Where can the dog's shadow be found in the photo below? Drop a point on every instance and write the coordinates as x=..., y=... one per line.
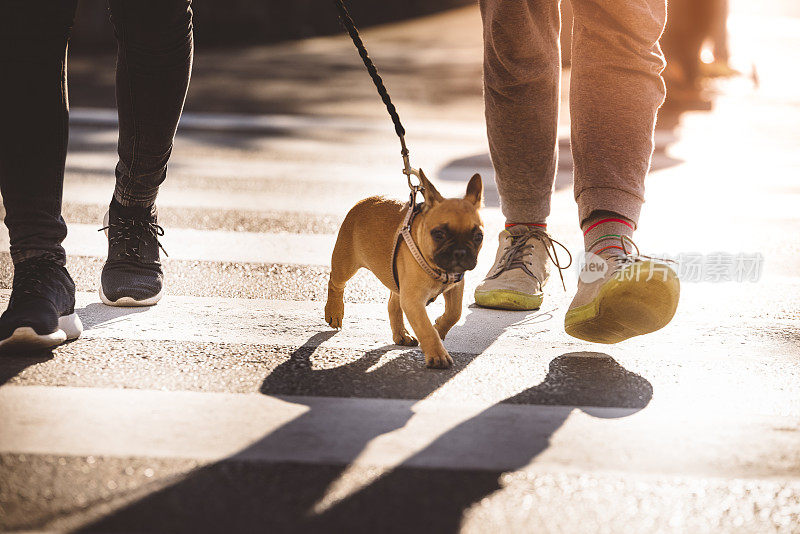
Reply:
x=392, y=371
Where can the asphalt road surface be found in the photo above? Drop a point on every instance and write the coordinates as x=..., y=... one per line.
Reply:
x=232, y=406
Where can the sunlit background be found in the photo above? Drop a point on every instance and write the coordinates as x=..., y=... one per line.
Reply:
x=232, y=406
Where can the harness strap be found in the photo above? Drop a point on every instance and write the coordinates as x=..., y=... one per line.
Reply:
x=404, y=234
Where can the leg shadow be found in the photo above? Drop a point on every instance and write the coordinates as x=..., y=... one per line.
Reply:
x=95, y=315
x=483, y=326
x=417, y=498
x=11, y=366
x=429, y=492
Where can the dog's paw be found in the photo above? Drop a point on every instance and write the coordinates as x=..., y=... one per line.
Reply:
x=334, y=313
x=405, y=339
x=334, y=320
x=440, y=359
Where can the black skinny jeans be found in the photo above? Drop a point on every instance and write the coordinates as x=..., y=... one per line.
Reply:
x=154, y=61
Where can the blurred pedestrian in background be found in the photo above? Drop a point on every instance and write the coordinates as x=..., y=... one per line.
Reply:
x=616, y=90
x=692, y=25
x=719, y=37
x=154, y=60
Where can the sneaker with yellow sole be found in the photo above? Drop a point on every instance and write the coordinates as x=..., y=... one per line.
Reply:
x=520, y=270
x=622, y=296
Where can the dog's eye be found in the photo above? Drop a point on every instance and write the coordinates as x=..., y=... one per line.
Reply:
x=438, y=235
x=477, y=236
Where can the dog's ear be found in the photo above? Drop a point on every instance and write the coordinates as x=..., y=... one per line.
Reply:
x=475, y=190
x=431, y=195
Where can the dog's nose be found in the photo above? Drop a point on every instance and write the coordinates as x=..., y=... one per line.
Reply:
x=459, y=254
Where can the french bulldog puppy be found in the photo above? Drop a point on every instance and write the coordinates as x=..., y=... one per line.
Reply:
x=447, y=232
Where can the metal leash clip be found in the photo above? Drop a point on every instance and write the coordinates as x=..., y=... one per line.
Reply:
x=408, y=170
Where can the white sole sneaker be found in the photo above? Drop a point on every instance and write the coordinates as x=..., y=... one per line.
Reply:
x=25, y=338
x=130, y=302
x=126, y=302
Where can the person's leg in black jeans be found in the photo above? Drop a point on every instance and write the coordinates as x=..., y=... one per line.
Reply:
x=34, y=123
x=154, y=64
x=33, y=146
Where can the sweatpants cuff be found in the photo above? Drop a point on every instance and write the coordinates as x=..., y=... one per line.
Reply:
x=526, y=211
x=609, y=199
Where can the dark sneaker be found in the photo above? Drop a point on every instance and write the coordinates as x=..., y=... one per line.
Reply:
x=132, y=274
x=41, y=311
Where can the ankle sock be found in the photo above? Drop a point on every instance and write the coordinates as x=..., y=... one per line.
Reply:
x=604, y=234
x=537, y=225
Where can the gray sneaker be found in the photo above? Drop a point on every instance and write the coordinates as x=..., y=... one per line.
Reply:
x=622, y=296
x=520, y=270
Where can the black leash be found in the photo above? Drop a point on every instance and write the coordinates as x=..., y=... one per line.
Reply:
x=404, y=233
x=349, y=25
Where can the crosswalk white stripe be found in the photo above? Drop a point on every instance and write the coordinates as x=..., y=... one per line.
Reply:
x=381, y=432
x=282, y=323
x=366, y=325
x=226, y=245
x=503, y=343
x=212, y=245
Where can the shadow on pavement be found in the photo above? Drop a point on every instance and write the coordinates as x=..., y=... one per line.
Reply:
x=298, y=78
x=483, y=326
x=96, y=315
x=236, y=495
x=103, y=139
x=424, y=500
x=11, y=366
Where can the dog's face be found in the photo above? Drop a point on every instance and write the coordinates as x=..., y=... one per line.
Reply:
x=451, y=231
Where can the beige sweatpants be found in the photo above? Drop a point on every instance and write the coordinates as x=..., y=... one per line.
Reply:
x=616, y=90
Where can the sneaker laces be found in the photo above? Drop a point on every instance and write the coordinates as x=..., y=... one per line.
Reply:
x=521, y=246
x=34, y=274
x=131, y=232
x=627, y=257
